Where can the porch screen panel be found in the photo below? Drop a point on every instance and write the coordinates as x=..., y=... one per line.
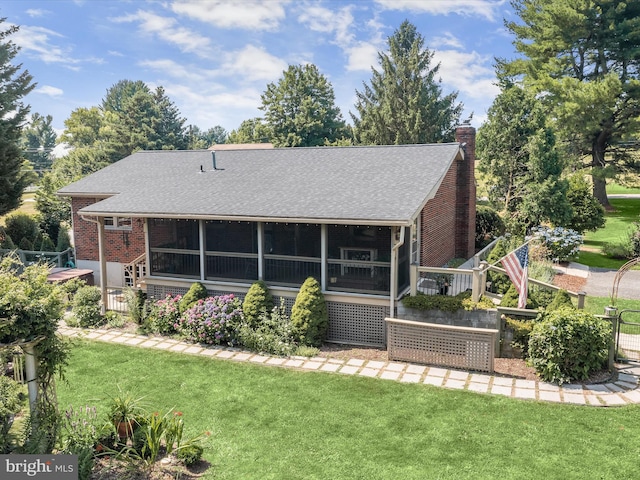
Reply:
x=231, y=250
x=359, y=259
x=292, y=253
x=175, y=247
x=404, y=254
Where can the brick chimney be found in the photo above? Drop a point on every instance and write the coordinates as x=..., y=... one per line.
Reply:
x=466, y=193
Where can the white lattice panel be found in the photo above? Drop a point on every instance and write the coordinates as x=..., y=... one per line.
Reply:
x=458, y=347
x=352, y=323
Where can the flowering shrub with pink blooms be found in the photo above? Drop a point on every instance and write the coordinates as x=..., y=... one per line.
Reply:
x=214, y=320
x=165, y=315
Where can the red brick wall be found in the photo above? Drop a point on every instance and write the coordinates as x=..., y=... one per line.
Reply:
x=122, y=246
x=448, y=221
x=466, y=213
x=438, y=223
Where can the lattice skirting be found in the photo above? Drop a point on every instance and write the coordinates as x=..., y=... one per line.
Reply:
x=349, y=323
x=457, y=347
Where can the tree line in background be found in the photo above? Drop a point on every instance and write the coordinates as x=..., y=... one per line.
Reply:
x=564, y=121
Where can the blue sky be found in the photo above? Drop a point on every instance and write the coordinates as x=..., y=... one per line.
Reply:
x=215, y=58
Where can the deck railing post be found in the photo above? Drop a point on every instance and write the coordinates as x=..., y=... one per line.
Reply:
x=476, y=284
x=581, y=296
x=413, y=279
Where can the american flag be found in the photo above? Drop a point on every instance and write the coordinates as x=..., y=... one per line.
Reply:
x=517, y=266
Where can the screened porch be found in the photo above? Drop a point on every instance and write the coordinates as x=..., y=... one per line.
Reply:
x=343, y=258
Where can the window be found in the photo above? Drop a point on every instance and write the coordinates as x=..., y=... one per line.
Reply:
x=117, y=223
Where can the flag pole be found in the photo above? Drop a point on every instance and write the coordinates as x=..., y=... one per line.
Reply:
x=505, y=256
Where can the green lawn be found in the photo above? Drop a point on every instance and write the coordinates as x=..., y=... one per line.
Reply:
x=617, y=224
x=614, y=188
x=274, y=423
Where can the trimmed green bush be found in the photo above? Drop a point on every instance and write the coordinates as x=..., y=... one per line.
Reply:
x=309, y=315
x=569, y=344
x=196, y=292
x=257, y=301
x=22, y=226
x=510, y=299
x=521, y=331
x=446, y=303
x=560, y=299
x=86, y=307
x=433, y=302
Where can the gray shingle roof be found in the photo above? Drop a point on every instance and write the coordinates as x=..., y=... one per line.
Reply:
x=381, y=184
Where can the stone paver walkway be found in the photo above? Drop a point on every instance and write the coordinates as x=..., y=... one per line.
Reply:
x=625, y=390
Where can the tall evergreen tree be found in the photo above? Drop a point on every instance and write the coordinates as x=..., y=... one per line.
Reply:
x=517, y=150
x=14, y=85
x=300, y=109
x=585, y=56
x=404, y=103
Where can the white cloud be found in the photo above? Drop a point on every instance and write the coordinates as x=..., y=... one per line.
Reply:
x=253, y=63
x=49, y=90
x=483, y=8
x=208, y=106
x=193, y=75
x=250, y=15
x=38, y=42
x=166, y=28
x=320, y=19
x=362, y=56
x=36, y=12
x=470, y=73
x=447, y=40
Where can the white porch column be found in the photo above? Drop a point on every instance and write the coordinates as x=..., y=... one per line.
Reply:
x=397, y=240
x=324, y=242
x=260, y=250
x=203, y=250
x=103, y=265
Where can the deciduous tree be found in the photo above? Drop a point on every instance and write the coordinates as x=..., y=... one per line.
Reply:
x=404, y=103
x=517, y=150
x=253, y=130
x=584, y=56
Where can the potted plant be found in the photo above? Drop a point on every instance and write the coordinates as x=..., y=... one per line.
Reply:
x=124, y=411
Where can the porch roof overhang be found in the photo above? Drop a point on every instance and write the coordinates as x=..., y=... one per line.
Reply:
x=379, y=185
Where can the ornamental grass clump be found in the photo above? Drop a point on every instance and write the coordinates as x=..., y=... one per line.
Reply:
x=214, y=320
x=569, y=344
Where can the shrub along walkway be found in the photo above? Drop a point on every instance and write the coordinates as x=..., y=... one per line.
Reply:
x=623, y=391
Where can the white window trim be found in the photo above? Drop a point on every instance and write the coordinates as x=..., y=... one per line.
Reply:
x=116, y=224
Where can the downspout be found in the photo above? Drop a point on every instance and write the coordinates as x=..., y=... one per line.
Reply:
x=396, y=244
x=103, y=260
